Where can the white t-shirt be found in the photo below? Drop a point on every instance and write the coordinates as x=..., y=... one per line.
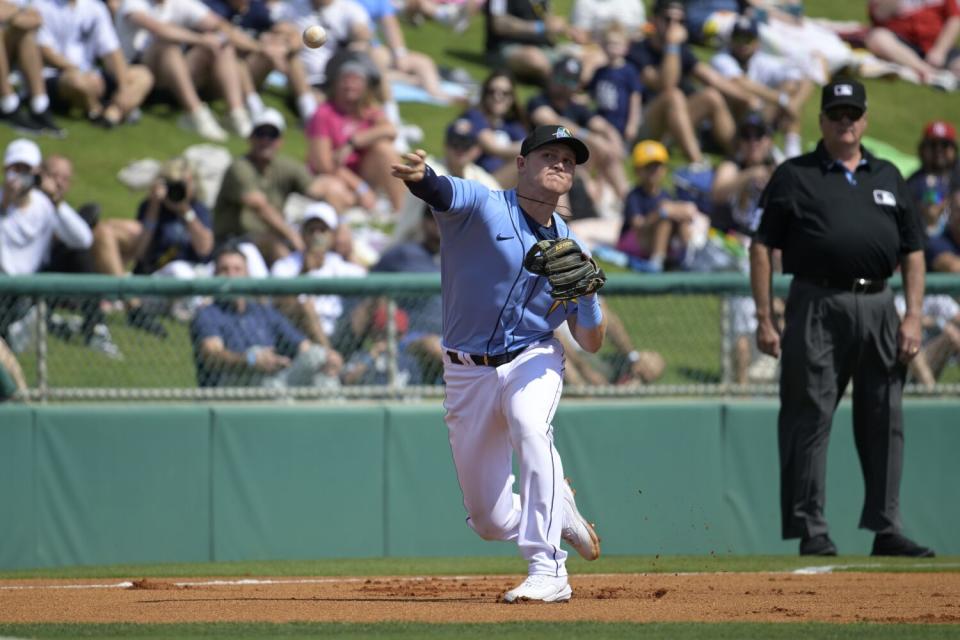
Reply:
x=134, y=40
x=328, y=307
x=596, y=16
x=763, y=68
x=341, y=18
x=82, y=32
x=26, y=233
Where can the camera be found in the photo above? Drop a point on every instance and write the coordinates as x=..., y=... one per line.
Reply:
x=176, y=191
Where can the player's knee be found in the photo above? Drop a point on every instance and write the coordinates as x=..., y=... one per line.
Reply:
x=487, y=527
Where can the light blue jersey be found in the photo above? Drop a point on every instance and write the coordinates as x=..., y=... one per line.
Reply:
x=491, y=303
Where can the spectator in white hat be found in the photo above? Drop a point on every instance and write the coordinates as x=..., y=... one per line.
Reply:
x=316, y=315
x=29, y=221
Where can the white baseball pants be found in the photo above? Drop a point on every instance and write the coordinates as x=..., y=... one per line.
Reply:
x=491, y=413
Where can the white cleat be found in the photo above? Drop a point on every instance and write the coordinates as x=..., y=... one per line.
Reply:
x=577, y=532
x=540, y=589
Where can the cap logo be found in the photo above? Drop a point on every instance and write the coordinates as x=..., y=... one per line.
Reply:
x=843, y=90
x=562, y=132
x=939, y=130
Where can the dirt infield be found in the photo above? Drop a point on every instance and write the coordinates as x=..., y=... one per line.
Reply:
x=741, y=597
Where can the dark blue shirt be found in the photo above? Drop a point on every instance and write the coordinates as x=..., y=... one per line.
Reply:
x=612, y=88
x=642, y=55
x=571, y=111
x=511, y=131
x=931, y=188
x=412, y=257
x=258, y=326
x=255, y=20
x=640, y=204
x=938, y=245
x=171, y=238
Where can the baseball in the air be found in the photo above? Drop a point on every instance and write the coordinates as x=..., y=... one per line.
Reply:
x=314, y=36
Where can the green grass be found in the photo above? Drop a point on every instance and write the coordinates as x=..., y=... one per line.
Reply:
x=496, y=565
x=504, y=631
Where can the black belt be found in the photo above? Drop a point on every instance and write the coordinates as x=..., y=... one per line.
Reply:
x=485, y=360
x=855, y=285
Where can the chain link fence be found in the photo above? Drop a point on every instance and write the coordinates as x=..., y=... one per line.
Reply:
x=148, y=338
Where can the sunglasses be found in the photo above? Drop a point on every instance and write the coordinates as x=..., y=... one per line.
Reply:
x=270, y=133
x=839, y=113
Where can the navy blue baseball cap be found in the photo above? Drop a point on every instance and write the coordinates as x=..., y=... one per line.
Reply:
x=567, y=72
x=554, y=133
x=461, y=134
x=754, y=121
x=745, y=27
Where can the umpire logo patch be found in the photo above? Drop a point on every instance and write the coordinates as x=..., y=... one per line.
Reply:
x=884, y=198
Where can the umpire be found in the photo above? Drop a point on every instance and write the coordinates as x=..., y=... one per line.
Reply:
x=843, y=219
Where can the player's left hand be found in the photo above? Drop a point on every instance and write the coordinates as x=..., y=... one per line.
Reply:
x=414, y=167
x=570, y=271
x=908, y=338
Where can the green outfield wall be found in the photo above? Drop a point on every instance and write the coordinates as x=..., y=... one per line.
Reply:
x=106, y=484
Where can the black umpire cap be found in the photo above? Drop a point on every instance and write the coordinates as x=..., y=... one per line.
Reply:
x=554, y=133
x=843, y=93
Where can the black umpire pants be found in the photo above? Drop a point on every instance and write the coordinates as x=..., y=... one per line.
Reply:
x=832, y=336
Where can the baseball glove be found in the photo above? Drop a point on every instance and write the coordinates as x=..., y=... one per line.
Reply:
x=569, y=271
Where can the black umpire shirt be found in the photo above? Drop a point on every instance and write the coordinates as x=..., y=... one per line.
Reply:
x=833, y=223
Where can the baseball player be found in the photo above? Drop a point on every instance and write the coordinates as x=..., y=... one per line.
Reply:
x=511, y=273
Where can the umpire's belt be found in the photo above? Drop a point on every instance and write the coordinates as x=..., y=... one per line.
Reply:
x=856, y=285
x=485, y=360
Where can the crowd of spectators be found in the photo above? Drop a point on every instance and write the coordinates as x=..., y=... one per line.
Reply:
x=629, y=85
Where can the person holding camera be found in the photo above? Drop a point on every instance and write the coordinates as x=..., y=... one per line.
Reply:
x=29, y=222
x=172, y=236
x=29, y=217
x=173, y=231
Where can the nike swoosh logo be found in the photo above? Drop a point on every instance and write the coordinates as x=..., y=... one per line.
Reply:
x=503, y=237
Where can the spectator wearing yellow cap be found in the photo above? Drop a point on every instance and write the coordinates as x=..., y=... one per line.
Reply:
x=656, y=226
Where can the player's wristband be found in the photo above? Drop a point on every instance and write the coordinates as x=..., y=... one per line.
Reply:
x=363, y=187
x=252, y=355
x=671, y=49
x=783, y=99
x=539, y=27
x=589, y=313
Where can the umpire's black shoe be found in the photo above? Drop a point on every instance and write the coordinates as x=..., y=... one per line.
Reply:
x=820, y=545
x=894, y=544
